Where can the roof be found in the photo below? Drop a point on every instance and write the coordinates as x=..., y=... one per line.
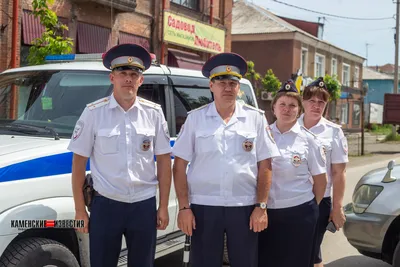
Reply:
x=248, y=18
x=369, y=74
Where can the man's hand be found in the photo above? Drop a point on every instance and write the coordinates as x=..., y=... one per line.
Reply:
x=82, y=215
x=162, y=218
x=258, y=220
x=338, y=218
x=186, y=221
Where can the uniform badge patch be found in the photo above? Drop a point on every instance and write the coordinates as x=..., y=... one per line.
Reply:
x=296, y=160
x=78, y=130
x=146, y=145
x=323, y=152
x=344, y=145
x=269, y=131
x=247, y=145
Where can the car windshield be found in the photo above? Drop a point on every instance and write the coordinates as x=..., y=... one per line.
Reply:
x=48, y=101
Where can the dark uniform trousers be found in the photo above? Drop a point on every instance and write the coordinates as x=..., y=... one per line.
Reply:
x=110, y=220
x=288, y=241
x=212, y=222
x=323, y=220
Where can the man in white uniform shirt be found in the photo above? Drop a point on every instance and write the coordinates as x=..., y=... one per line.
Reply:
x=229, y=148
x=315, y=98
x=121, y=134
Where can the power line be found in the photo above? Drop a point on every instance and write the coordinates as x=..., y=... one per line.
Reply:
x=326, y=14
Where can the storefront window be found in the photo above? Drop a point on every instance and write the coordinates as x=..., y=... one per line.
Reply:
x=193, y=4
x=344, y=114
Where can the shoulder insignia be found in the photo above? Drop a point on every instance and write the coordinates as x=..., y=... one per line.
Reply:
x=98, y=103
x=308, y=131
x=253, y=108
x=148, y=103
x=201, y=107
x=330, y=123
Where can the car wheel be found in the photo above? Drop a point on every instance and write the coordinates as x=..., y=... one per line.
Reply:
x=225, y=256
x=34, y=252
x=396, y=256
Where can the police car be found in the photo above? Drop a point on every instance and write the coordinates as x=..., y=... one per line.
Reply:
x=39, y=106
x=373, y=217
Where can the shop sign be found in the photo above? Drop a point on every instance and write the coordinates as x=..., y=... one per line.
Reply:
x=193, y=34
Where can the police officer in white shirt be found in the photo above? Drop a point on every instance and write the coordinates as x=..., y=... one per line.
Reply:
x=226, y=188
x=298, y=185
x=121, y=134
x=315, y=99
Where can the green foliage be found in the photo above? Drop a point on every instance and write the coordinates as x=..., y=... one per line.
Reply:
x=333, y=86
x=271, y=83
x=253, y=76
x=391, y=137
x=52, y=41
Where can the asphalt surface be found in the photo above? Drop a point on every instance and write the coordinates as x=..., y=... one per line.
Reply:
x=336, y=251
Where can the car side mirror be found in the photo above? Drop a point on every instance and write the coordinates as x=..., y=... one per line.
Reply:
x=388, y=176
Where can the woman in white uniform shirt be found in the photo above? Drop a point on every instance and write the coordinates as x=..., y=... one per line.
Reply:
x=298, y=185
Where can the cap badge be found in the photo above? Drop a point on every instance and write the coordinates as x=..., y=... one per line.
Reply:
x=247, y=145
x=287, y=86
x=321, y=84
x=146, y=145
x=228, y=69
x=130, y=59
x=296, y=160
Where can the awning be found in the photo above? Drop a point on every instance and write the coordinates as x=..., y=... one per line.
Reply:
x=32, y=29
x=93, y=38
x=127, y=38
x=185, y=60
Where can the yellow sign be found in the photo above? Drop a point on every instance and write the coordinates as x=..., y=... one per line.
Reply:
x=193, y=34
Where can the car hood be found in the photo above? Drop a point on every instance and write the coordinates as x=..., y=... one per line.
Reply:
x=376, y=176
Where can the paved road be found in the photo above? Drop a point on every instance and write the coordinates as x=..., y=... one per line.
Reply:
x=337, y=252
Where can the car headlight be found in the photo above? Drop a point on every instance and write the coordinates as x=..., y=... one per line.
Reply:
x=364, y=196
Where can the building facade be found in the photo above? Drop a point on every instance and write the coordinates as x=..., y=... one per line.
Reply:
x=273, y=43
x=191, y=35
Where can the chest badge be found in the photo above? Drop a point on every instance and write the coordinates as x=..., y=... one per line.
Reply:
x=247, y=145
x=296, y=160
x=146, y=145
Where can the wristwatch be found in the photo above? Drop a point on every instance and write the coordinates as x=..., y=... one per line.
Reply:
x=262, y=205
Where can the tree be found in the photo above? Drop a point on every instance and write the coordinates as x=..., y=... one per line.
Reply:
x=271, y=83
x=333, y=86
x=52, y=41
x=253, y=76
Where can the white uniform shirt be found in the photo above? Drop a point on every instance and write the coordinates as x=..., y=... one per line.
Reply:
x=223, y=157
x=335, y=145
x=301, y=158
x=121, y=146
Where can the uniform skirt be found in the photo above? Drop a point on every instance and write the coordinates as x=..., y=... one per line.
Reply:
x=288, y=240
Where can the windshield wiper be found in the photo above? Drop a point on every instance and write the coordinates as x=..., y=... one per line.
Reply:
x=15, y=126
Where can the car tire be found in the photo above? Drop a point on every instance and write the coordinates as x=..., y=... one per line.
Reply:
x=34, y=252
x=396, y=256
x=225, y=255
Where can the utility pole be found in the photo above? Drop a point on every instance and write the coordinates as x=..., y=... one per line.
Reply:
x=396, y=60
x=366, y=56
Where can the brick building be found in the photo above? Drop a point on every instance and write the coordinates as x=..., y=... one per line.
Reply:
x=96, y=25
x=273, y=43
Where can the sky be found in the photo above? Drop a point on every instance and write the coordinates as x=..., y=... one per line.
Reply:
x=351, y=35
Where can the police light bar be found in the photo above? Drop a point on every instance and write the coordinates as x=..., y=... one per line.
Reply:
x=73, y=57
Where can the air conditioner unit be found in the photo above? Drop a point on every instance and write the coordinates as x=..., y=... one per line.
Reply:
x=266, y=95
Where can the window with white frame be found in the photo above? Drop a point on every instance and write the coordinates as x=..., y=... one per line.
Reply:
x=304, y=61
x=346, y=75
x=334, y=67
x=344, y=114
x=356, y=77
x=193, y=4
x=319, y=65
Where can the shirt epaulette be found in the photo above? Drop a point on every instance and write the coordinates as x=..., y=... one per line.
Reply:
x=308, y=131
x=149, y=103
x=334, y=125
x=254, y=108
x=98, y=103
x=201, y=107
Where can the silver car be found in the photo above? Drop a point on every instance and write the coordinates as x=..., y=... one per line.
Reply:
x=373, y=217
